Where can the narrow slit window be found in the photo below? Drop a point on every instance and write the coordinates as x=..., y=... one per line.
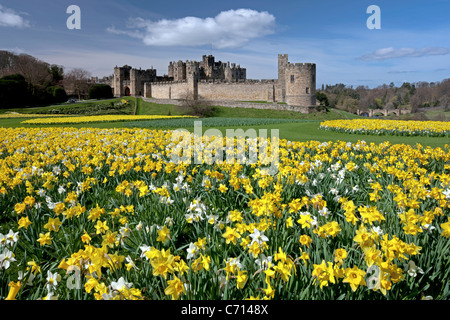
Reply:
x=292, y=78
x=307, y=90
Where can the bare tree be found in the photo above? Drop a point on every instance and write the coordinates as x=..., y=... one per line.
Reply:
x=36, y=72
x=76, y=81
x=6, y=62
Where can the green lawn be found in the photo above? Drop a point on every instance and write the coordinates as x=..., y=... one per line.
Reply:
x=88, y=107
x=294, y=131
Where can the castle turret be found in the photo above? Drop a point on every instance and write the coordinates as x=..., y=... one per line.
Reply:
x=300, y=84
x=121, y=81
x=282, y=65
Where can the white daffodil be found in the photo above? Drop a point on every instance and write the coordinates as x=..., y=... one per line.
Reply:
x=52, y=280
x=144, y=249
x=169, y=221
x=258, y=237
x=61, y=190
x=234, y=262
x=56, y=170
x=130, y=262
x=212, y=218
x=125, y=231
x=263, y=261
x=446, y=193
x=3, y=240
x=334, y=191
x=6, y=258
x=324, y=211
x=121, y=285
x=12, y=237
x=412, y=269
x=31, y=277
x=428, y=227
x=378, y=230
x=191, y=250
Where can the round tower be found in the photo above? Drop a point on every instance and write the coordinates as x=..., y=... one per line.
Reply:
x=300, y=82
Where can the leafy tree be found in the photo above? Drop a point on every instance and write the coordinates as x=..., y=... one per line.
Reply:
x=322, y=98
x=57, y=73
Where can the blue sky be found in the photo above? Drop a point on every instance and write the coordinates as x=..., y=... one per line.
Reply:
x=412, y=45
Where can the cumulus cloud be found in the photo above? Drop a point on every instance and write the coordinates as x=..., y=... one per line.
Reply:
x=392, y=53
x=228, y=29
x=9, y=18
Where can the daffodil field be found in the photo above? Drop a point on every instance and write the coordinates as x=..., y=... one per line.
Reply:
x=389, y=127
x=101, y=118
x=105, y=214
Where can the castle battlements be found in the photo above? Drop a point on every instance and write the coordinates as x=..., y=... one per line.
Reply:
x=163, y=83
x=300, y=65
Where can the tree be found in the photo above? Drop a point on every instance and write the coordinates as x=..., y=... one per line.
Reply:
x=58, y=94
x=6, y=62
x=322, y=98
x=13, y=91
x=76, y=82
x=100, y=91
x=36, y=72
x=57, y=73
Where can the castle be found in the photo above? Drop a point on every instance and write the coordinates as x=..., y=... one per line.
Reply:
x=207, y=69
x=219, y=81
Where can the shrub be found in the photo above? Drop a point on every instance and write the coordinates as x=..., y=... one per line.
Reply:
x=58, y=94
x=13, y=91
x=196, y=108
x=100, y=91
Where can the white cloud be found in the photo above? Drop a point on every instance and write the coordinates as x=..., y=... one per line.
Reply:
x=391, y=53
x=229, y=29
x=9, y=18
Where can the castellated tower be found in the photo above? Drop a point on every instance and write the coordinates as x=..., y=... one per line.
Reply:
x=138, y=78
x=129, y=81
x=296, y=82
x=282, y=65
x=121, y=81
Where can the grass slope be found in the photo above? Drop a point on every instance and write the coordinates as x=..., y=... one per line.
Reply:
x=297, y=130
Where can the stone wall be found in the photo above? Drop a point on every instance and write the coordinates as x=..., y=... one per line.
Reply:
x=169, y=90
x=237, y=104
x=238, y=91
x=250, y=90
x=253, y=105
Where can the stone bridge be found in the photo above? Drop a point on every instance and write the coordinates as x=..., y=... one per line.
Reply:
x=383, y=112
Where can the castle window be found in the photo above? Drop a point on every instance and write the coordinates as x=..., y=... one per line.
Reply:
x=307, y=90
x=292, y=78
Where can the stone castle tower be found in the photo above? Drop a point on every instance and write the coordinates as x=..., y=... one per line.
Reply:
x=129, y=81
x=296, y=82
